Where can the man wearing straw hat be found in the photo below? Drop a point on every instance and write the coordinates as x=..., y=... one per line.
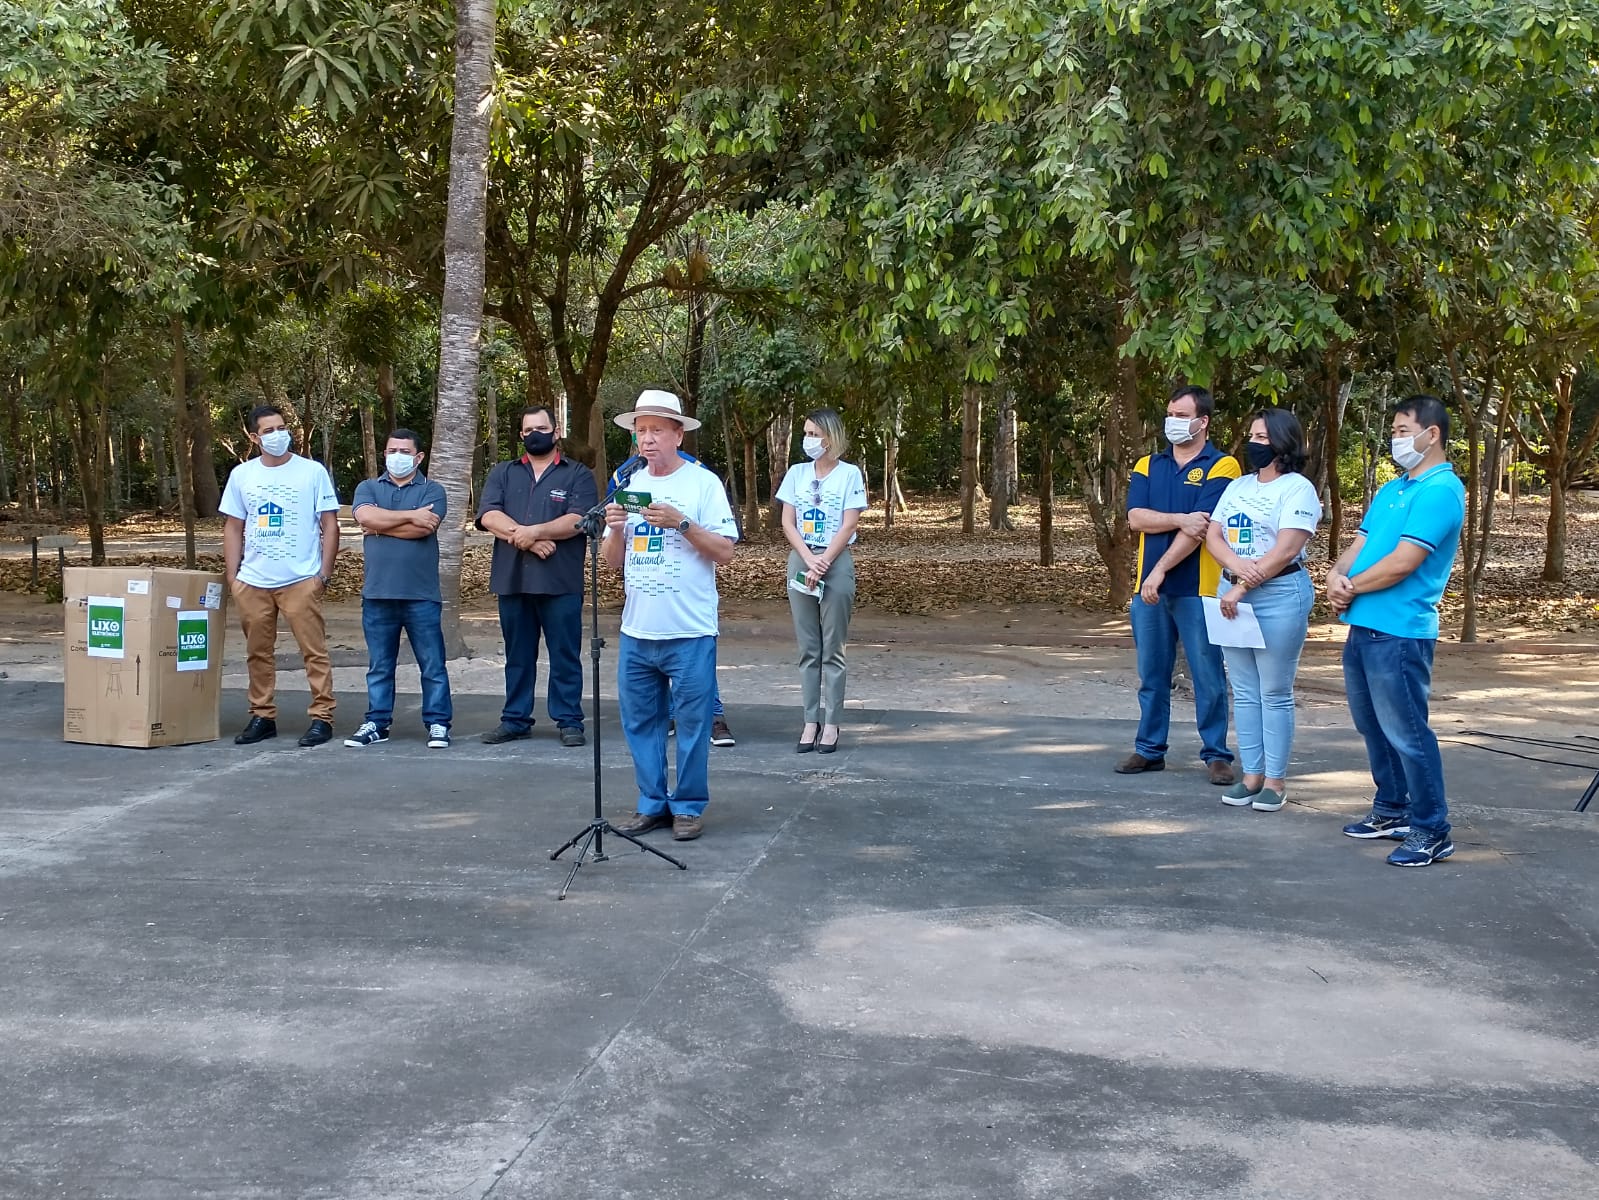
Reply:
x=668, y=550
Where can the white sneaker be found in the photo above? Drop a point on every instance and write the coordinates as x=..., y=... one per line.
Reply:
x=438, y=737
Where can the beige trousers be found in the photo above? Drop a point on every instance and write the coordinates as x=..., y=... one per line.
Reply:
x=301, y=605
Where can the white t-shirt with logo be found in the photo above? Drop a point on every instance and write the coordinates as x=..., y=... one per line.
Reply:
x=671, y=587
x=820, y=504
x=281, y=508
x=1253, y=513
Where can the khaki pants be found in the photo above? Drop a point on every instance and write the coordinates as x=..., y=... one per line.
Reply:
x=301, y=605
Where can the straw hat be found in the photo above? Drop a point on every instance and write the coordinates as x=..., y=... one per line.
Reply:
x=654, y=403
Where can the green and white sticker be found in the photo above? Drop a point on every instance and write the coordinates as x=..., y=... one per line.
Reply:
x=106, y=627
x=194, y=640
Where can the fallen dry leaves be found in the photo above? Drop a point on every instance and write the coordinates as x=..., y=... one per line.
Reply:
x=925, y=564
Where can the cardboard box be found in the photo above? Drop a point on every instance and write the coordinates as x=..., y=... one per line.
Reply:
x=143, y=656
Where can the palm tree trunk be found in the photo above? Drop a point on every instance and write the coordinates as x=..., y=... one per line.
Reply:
x=455, y=419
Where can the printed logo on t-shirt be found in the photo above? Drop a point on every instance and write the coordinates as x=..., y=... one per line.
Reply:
x=269, y=520
x=648, y=539
x=1196, y=475
x=1241, y=533
x=813, y=523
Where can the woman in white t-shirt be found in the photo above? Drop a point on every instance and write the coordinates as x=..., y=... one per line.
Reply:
x=1258, y=533
x=823, y=499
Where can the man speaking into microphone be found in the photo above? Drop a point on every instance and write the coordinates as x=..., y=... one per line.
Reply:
x=667, y=531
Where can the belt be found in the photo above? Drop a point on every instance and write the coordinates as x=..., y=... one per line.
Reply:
x=1288, y=570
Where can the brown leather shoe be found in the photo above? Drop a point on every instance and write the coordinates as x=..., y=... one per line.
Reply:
x=1221, y=773
x=1137, y=764
x=686, y=828
x=644, y=822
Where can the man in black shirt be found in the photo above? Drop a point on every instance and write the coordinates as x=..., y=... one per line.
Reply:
x=532, y=506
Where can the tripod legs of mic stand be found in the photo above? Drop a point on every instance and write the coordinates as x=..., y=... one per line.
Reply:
x=593, y=838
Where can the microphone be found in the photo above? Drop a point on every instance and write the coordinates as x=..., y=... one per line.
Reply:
x=625, y=472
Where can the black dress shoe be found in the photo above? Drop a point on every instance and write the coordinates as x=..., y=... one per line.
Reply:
x=571, y=735
x=257, y=730
x=319, y=732
x=505, y=733
x=804, y=747
x=825, y=748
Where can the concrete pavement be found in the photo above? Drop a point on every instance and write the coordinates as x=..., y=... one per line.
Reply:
x=958, y=958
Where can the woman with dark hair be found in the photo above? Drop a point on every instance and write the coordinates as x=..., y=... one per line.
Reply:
x=1258, y=533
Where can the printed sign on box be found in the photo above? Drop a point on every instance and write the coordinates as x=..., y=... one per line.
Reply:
x=194, y=640
x=106, y=626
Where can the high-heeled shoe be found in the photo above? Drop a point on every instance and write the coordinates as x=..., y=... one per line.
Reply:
x=826, y=747
x=805, y=747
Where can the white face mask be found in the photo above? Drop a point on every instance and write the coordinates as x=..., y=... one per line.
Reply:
x=1405, y=453
x=1180, y=429
x=400, y=465
x=814, y=447
x=277, y=442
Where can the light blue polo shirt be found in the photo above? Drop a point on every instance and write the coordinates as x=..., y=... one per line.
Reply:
x=1427, y=511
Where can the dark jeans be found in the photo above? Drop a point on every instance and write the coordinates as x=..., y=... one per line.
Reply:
x=559, y=619
x=382, y=621
x=1389, y=682
x=1157, y=628
x=657, y=681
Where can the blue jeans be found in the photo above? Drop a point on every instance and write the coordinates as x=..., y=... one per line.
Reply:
x=382, y=621
x=659, y=681
x=1263, y=680
x=1157, y=628
x=560, y=619
x=1389, y=681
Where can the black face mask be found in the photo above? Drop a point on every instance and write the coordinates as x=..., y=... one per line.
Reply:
x=1260, y=454
x=539, y=442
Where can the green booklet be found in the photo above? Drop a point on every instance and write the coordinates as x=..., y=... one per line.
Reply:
x=633, y=501
x=798, y=584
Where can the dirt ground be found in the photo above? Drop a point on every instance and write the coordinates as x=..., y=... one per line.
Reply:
x=1026, y=659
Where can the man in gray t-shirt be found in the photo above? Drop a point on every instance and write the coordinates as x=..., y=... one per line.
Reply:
x=400, y=513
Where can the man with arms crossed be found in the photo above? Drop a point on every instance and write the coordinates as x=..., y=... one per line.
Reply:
x=668, y=554
x=1169, y=502
x=280, y=540
x=400, y=513
x=1386, y=588
x=532, y=506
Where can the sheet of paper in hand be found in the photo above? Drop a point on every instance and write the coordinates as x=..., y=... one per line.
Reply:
x=633, y=501
x=1242, y=631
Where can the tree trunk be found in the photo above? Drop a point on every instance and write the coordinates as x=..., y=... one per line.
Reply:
x=461, y=320
x=180, y=440
x=752, y=509
x=1336, y=398
x=58, y=472
x=386, y=399
x=779, y=437
x=369, y=442
x=203, y=467
x=88, y=451
x=890, y=473
x=733, y=492
x=971, y=424
x=1002, y=477
x=1046, y=500
x=1554, y=545
x=694, y=356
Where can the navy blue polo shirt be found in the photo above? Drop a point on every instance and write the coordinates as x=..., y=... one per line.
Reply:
x=565, y=487
x=1159, y=483
x=401, y=568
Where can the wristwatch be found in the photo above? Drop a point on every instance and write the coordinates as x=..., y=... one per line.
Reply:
x=682, y=526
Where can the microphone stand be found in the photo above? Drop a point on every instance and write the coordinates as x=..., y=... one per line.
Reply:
x=592, y=836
